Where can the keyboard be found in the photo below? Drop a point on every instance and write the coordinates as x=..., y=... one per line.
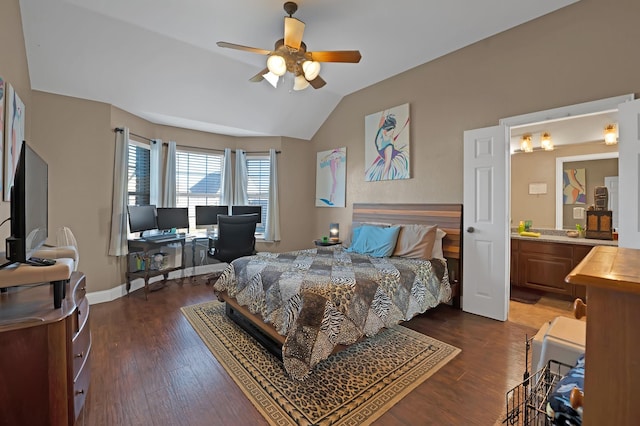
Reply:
x=160, y=238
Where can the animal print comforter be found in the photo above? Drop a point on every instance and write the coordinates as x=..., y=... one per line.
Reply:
x=319, y=298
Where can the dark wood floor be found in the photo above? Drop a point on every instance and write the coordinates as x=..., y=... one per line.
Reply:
x=149, y=367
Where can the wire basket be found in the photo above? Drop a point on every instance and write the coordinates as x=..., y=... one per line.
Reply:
x=527, y=402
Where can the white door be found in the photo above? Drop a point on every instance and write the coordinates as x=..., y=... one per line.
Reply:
x=629, y=177
x=611, y=182
x=486, y=223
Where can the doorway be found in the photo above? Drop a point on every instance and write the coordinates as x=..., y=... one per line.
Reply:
x=487, y=169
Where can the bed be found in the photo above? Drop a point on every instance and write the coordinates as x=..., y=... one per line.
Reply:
x=306, y=304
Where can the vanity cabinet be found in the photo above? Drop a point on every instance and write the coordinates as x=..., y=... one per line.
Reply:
x=543, y=265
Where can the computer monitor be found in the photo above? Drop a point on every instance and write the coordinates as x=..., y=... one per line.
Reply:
x=235, y=210
x=173, y=218
x=142, y=218
x=207, y=216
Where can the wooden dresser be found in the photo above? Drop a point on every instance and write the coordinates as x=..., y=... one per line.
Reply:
x=44, y=354
x=612, y=364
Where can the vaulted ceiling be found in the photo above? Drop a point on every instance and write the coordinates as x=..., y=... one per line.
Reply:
x=158, y=59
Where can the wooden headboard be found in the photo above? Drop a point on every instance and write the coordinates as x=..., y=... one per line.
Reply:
x=448, y=217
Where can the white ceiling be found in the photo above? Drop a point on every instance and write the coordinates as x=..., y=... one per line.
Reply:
x=158, y=59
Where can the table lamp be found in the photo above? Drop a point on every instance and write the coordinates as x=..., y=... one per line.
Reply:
x=334, y=231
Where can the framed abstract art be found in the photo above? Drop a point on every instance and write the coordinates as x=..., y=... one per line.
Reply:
x=386, y=148
x=13, y=137
x=331, y=177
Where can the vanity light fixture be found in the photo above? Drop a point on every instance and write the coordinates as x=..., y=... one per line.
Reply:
x=525, y=143
x=610, y=136
x=545, y=141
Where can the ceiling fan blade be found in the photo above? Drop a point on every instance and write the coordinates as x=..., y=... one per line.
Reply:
x=293, y=31
x=245, y=48
x=317, y=82
x=352, y=56
x=259, y=77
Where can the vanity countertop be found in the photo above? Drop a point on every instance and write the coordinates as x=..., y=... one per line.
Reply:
x=567, y=240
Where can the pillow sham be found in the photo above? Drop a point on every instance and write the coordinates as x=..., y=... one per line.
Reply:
x=355, y=225
x=416, y=241
x=374, y=240
x=437, y=246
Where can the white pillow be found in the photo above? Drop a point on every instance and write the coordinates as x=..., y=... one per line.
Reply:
x=437, y=246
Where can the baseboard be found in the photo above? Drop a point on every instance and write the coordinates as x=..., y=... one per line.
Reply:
x=121, y=290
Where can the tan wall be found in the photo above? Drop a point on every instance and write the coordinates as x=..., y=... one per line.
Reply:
x=553, y=61
x=540, y=167
x=13, y=70
x=76, y=138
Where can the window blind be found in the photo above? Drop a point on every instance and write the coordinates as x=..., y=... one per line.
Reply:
x=198, y=180
x=258, y=186
x=139, y=174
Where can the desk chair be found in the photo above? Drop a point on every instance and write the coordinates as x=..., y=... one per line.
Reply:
x=236, y=237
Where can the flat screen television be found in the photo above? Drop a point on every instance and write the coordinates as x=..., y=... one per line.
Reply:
x=172, y=217
x=29, y=207
x=208, y=215
x=247, y=210
x=142, y=218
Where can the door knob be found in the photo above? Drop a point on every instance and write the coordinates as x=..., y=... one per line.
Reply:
x=470, y=229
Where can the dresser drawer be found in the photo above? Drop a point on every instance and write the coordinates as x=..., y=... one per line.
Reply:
x=80, y=316
x=81, y=385
x=80, y=347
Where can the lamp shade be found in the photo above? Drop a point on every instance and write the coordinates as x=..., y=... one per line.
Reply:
x=300, y=83
x=311, y=69
x=334, y=231
x=277, y=65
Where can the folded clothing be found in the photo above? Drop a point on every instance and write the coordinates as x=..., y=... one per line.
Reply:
x=559, y=406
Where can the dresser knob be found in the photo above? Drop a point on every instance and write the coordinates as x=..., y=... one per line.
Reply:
x=79, y=392
x=80, y=355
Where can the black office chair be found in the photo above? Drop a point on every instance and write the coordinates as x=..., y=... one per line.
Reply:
x=236, y=237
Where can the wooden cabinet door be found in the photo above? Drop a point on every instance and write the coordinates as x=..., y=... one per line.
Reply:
x=514, y=262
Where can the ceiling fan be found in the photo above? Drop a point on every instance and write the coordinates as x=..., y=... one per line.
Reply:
x=290, y=54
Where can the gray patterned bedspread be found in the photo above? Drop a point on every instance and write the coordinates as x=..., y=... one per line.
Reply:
x=319, y=298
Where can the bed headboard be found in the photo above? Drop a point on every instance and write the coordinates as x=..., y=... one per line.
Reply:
x=448, y=217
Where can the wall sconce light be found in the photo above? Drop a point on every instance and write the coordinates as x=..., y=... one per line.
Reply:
x=545, y=142
x=610, y=136
x=334, y=231
x=525, y=143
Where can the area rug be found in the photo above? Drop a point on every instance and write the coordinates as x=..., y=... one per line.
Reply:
x=523, y=295
x=353, y=387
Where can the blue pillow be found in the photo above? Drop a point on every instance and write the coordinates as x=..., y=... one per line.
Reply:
x=374, y=241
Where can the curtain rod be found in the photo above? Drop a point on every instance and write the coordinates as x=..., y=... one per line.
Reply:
x=120, y=130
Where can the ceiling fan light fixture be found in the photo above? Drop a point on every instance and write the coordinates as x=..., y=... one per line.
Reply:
x=311, y=69
x=277, y=65
x=300, y=83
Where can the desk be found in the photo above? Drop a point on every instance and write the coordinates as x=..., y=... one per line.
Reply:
x=147, y=247
x=612, y=365
x=194, y=239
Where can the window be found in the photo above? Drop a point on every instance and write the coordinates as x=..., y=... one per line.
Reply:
x=138, y=174
x=198, y=181
x=258, y=186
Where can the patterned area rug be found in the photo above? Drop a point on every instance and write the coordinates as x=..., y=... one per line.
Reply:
x=352, y=387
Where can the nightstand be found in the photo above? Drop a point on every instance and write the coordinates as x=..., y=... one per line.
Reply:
x=320, y=243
